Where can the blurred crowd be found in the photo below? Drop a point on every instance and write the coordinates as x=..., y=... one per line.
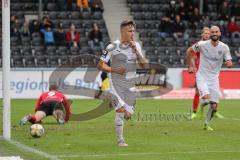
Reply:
x=56, y=34
x=185, y=14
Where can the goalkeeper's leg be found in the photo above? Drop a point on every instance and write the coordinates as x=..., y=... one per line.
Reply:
x=35, y=118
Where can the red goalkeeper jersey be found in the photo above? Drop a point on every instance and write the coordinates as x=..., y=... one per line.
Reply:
x=54, y=96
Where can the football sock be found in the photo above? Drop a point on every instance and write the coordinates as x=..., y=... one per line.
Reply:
x=209, y=115
x=119, y=125
x=33, y=119
x=195, y=103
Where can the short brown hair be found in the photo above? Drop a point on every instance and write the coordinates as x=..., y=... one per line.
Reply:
x=127, y=23
x=53, y=87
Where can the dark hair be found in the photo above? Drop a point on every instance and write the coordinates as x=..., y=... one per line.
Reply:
x=53, y=87
x=127, y=23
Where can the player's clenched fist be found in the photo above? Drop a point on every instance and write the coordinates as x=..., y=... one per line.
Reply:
x=229, y=63
x=191, y=69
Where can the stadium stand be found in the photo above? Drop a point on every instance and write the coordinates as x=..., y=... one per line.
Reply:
x=151, y=18
x=30, y=51
x=157, y=16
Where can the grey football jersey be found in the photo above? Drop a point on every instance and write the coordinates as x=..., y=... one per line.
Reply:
x=122, y=56
x=211, y=58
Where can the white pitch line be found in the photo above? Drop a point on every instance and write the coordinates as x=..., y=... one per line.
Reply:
x=234, y=119
x=141, y=154
x=32, y=150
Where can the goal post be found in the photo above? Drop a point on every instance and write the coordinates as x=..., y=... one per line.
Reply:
x=6, y=68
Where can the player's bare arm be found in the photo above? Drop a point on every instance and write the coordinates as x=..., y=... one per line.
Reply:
x=190, y=60
x=103, y=66
x=140, y=58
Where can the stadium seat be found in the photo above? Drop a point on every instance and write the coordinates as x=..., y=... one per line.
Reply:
x=38, y=51
x=62, y=50
x=134, y=8
x=144, y=7
x=26, y=41
x=52, y=61
x=17, y=61
x=236, y=42
x=74, y=50
x=15, y=50
x=26, y=50
x=53, y=14
x=63, y=15
x=41, y=61
x=30, y=7
x=29, y=62
x=51, y=50
x=52, y=7
x=97, y=15
x=86, y=15
x=14, y=41
x=37, y=41
x=75, y=15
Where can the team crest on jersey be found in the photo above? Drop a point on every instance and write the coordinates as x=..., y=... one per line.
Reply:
x=219, y=53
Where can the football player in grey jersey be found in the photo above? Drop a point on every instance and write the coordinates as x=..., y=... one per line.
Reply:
x=212, y=54
x=123, y=55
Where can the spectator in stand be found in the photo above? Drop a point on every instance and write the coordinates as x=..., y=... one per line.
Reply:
x=179, y=28
x=25, y=31
x=172, y=10
x=72, y=36
x=224, y=11
x=35, y=29
x=46, y=22
x=82, y=4
x=60, y=35
x=96, y=5
x=12, y=20
x=48, y=36
x=195, y=19
x=165, y=27
x=15, y=33
x=95, y=37
x=236, y=10
x=182, y=10
x=233, y=28
x=14, y=23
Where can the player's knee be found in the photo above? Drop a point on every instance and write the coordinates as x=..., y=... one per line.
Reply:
x=213, y=105
x=207, y=96
x=120, y=110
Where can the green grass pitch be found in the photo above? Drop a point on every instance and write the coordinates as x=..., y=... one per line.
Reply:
x=150, y=137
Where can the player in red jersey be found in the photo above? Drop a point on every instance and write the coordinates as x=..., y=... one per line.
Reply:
x=52, y=102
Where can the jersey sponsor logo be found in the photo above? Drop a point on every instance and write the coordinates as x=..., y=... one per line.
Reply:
x=50, y=94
